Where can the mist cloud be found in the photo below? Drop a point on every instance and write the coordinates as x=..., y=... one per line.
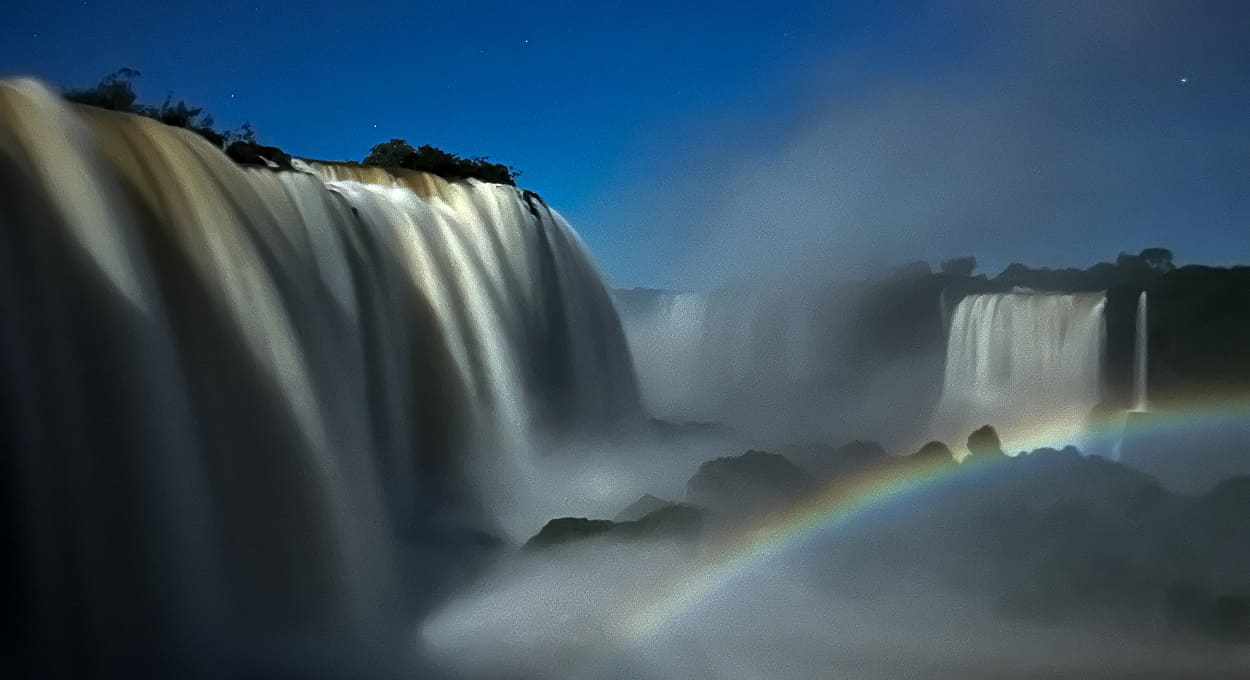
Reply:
x=1052, y=133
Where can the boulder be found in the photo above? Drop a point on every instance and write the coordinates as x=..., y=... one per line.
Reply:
x=745, y=482
x=984, y=441
x=251, y=153
x=567, y=529
x=642, y=507
x=678, y=521
x=933, y=450
x=825, y=461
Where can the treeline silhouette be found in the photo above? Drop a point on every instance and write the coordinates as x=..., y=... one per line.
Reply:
x=398, y=153
x=116, y=92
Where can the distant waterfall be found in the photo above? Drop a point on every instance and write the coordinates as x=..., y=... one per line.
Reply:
x=669, y=332
x=697, y=354
x=225, y=392
x=1026, y=363
x=1140, y=356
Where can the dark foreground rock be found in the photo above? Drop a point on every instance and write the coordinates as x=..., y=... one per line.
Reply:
x=934, y=451
x=984, y=441
x=251, y=153
x=746, y=482
x=825, y=461
x=675, y=522
x=642, y=507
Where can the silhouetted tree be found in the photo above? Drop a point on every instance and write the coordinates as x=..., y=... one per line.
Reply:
x=398, y=153
x=913, y=270
x=183, y=115
x=116, y=92
x=389, y=154
x=1158, y=259
x=1128, y=260
x=959, y=266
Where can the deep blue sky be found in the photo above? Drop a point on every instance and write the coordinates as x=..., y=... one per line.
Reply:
x=696, y=142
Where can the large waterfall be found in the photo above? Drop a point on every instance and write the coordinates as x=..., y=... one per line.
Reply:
x=1023, y=362
x=225, y=392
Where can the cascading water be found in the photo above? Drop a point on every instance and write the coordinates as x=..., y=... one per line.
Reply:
x=1140, y=356
x=698, y=355
x=668, y=331
x=1022, y=362
x=225, y=393
x=781, y=361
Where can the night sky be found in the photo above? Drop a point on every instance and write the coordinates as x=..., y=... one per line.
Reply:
x=692, y=145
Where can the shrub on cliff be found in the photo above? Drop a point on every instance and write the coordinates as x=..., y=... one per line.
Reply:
x=398, y=153
x=116, y=92
x=959, y=266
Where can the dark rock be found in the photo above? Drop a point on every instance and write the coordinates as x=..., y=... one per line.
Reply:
x=680, y=521
x=566, y=529
x=1189, y=606
x=917, y=269
x=251, y=153
x=984, y=441
x=746, y=482
x=934, y=450
x=674, y=522
x=825, y=461
x=642, y=507
x=1232, y=617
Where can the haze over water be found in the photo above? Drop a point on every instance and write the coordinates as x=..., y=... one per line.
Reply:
x=891, y=342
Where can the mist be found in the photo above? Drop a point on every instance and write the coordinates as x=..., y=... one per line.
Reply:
x=1056, y=134
x=1053, y=134
x=765, y=417
x=899, y=591
x=559, y=619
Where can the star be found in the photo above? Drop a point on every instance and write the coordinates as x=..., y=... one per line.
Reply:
x=1184, y=80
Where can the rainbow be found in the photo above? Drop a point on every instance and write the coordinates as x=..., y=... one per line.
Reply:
x=849, y=497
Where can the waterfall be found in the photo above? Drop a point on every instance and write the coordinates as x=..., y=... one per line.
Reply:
x=1026, y=363
x=665, y=335
x=1140, y=357
x=226, y=392
x=696, y=353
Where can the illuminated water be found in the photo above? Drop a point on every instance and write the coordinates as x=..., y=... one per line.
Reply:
x=1141, y=358
x=226, y=394
x=1018, y=359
